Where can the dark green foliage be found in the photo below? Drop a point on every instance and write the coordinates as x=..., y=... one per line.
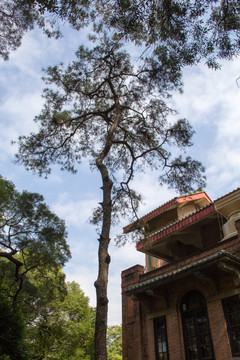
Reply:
x=16, y=18
x=31, y=237
x=12, y=331
x=74, y=11
x=181, y=32
x=55, y=321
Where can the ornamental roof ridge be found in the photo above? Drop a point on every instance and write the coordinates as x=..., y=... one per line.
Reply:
x=173, y=201
x=177, y=221
x=164, y=206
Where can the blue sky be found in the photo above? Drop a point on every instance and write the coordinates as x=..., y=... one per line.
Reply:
x=211, y=102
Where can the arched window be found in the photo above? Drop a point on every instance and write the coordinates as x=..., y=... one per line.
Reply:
x=196, y=331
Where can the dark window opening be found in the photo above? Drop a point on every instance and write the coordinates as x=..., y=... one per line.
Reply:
x=160, y=331
x=231, y=307
x=196, y=330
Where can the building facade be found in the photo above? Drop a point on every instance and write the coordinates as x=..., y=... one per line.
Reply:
x=185, y=304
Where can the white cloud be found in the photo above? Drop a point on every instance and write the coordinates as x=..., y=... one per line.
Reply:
x=153, y=194
x=84, y=276
x=211, y=103
x=77, y=212
x=206, y=92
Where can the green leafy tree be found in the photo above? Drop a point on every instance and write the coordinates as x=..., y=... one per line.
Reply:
x=12, y=331
x=40, y=315
x=32, y=238
x=65, y=329
x=102, y=108
x=32, y=250
x=114, y=342
x=53, y=319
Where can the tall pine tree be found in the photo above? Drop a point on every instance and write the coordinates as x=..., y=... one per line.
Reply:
x=102, y=108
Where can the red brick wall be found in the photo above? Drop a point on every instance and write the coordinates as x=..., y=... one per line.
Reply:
x=131, y=316
x=218, y=328
x=138, y=331
x=174, y=340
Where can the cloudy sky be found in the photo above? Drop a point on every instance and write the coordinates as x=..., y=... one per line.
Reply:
x=211, y=102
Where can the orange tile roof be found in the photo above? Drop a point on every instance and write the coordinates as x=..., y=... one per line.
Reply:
x=167, y=205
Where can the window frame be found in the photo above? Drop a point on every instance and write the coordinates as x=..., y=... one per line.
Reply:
x=194, y=314
x=226, y=301
x=160, y=322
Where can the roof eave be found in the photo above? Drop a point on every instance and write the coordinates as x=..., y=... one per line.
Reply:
x=180, y=224
x=220, y=256
x=164, y=207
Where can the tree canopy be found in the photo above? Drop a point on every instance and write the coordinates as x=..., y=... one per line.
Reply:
x=41, y=315
x=31, y=236
x=78, y=118
x=65, y=329
x=186, y=31
x=53, y=319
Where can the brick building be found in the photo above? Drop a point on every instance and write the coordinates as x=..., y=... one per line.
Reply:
x=185, y=304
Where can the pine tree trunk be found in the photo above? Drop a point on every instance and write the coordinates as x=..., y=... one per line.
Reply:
x=103, y=265
x=101, y=283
